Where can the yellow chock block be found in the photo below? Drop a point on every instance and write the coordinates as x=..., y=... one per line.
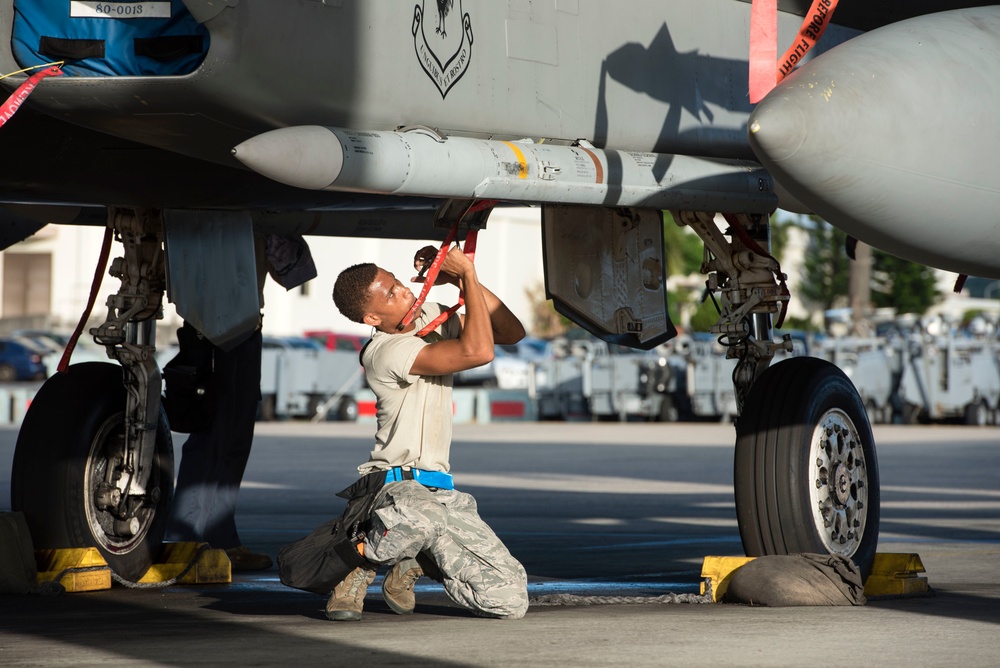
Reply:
x=76, y=569
x=190, y=563
x=716, y=572
x=896, y=574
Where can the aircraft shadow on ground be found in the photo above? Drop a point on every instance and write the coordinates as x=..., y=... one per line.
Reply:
x=143, y=630
x=945, y=604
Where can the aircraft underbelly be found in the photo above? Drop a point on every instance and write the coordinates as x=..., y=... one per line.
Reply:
x=663, y=77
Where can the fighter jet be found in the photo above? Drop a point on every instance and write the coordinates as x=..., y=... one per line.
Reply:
x=184, y=126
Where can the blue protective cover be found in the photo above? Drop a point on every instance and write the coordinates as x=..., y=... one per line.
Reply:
x=38, y=19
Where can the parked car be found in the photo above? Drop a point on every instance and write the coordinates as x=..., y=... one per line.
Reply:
x=52, y=341
x=21, y=359
x=336, y=341
x=53, y=344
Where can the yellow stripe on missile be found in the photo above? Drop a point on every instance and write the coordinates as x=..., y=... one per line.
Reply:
x=521, y=161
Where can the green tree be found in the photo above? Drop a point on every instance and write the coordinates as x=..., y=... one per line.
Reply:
x=705, y=316
x=896, y=283
x=904, y=285
x=779, y=236
x=825, y=267
x=683, y=249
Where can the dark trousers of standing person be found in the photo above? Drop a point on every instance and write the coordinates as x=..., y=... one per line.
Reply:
x=213, y=460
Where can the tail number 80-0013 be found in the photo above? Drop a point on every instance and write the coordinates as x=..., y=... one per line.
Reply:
x=119, y=10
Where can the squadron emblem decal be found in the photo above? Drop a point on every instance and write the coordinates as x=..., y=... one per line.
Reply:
x=444, y=54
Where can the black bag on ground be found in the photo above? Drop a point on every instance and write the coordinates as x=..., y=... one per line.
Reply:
x=187, y=396
x=797, y=579
x=322, y=559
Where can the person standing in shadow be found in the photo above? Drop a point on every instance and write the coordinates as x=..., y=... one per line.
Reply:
x=216, y=399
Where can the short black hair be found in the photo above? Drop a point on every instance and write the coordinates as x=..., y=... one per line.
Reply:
x=350, y=291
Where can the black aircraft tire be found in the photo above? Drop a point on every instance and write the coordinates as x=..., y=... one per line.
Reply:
x=804, y=428
x=73, y=419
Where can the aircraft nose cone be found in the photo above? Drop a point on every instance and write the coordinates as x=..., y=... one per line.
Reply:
x=777, y=129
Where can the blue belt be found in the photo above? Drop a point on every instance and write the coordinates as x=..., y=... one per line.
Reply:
x=437, y=479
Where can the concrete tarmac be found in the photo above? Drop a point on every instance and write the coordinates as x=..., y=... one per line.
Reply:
x=616, y=515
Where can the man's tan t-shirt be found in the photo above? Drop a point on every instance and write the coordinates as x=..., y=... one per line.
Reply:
x=414, y=412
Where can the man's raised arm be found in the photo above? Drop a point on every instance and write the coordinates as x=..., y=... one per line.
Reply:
x=474, y=346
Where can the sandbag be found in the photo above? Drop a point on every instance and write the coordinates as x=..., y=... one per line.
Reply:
x=797, y=579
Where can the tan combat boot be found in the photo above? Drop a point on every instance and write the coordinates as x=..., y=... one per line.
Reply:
x=348, y=598
x=397, y=588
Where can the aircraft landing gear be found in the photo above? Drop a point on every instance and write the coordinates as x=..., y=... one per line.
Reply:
x=72, y=462
x=93, y=465
x=805, y=474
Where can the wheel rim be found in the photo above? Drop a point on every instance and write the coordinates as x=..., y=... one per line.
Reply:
x=106, y=451
x=839, y=493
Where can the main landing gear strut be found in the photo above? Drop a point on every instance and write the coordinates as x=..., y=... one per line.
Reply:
x=93, y=465
x=806, y=475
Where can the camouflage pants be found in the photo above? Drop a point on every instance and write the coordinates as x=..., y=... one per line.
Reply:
x=479, y=572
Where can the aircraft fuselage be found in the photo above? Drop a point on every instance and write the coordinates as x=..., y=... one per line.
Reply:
x=652, y=76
